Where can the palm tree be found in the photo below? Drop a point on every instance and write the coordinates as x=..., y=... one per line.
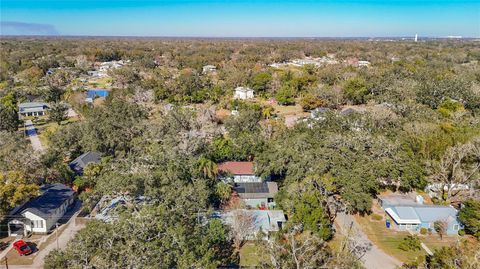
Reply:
x=208, y=168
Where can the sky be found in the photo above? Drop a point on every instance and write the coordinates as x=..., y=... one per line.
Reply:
x=234, y=18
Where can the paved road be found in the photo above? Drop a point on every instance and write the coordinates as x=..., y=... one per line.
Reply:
x=374, y=258
x=32, y=134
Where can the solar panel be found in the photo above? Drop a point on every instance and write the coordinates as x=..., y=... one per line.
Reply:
x=257, y=187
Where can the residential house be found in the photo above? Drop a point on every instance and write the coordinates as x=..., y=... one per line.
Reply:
x=105, y=66
x=411, y=214
x=32, y=109
x=95, y=93
x=209, y=68
x=364, y=63
x=40, y=214
x=238, y=172
x=257, y=194
x=97, y=74
x=265, y=221
x=243, y=93
x=83, y=160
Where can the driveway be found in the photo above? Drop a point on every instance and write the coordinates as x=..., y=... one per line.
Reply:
x=32, y=134
x=374, y=258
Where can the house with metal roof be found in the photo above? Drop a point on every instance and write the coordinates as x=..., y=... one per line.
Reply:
x=412, y=215
x=32, y=109
x=96, y=93
x=255, y=221
x=257, y=194
x=83, y=160
x=40, y=214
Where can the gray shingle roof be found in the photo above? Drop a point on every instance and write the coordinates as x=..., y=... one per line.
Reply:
x=53, y=197
x=81, y=161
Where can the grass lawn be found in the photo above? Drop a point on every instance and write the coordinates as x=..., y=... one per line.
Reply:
x=388, y=240
x=251, y=255
x=337, y=239
x=101, y=83
x=433, y=241
x=46, y=128
x=15, y=259
x=288, y=110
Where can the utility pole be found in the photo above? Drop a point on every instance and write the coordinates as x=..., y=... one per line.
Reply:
x=56, y=232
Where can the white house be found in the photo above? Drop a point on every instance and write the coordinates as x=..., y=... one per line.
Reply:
x=32, y=109
x=238, y=172
x=209, y=68
x=40, y=214
x=243, y=93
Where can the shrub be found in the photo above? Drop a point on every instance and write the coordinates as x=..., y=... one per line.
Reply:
x=310, y=101
x=423, y=230
x=286, y=95
x=461, y=232
x=356, y=91
x=410, y=243
x=469, y=215
x=377, y=217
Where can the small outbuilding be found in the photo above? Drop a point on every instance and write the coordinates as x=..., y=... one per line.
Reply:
x=209, y=68
x=243, y=93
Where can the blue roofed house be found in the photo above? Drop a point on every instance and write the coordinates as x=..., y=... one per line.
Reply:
x=40, y=214
x=411, y=214
x=94, y=93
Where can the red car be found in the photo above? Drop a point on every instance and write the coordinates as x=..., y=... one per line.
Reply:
x=22, y=247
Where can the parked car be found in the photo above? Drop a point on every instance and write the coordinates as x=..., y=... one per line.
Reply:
x=22, y=248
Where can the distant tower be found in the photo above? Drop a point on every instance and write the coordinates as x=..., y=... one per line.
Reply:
x=416, y=37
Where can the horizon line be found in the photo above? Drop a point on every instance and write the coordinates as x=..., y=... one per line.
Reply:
x=453, y=37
